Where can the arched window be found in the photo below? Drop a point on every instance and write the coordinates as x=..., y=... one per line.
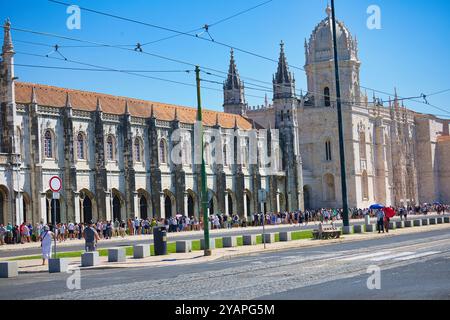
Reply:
x=48, y=144
x=365, y=185
x=81, y=147
x=110, y=148
x=225, y=162
x=326, y=94
x=328, y=150
x=137, y=150
x=362, y=144
x=162, y=151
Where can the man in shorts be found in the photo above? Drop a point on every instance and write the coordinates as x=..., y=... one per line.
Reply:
x=71, y=228
x=90, y=237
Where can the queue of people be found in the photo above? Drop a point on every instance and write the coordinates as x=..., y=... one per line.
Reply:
x=26, y=232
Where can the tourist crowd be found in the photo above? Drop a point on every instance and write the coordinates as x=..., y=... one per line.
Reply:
x=26, y=232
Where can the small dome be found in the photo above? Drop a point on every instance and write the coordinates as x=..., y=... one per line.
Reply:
x=320, y=46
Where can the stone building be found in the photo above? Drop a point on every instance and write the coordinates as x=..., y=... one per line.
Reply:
x=394, y=156
x=114, y=155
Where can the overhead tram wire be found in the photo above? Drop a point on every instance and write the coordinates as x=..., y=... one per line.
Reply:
x=223, y=77
x=150, y=54
x=192, y=64
x=133, y=73
x=209, y=40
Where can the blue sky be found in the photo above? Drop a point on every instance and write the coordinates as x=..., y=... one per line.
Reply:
x=410, y=52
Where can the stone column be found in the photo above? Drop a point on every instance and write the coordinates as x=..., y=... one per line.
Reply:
x=226, y=204
x=278, y=203
x=108, y=207
x=186, y=206
x=162, y=205
x=137, y=211
x=43, y=204
x=19, y=206
x=78, y=207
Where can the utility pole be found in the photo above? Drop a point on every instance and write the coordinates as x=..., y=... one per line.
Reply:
x=340, y=127
x=204, y=194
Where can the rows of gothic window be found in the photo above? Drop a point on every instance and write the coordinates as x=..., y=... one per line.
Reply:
x=163, y=150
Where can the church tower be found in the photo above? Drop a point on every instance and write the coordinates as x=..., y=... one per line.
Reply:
x=319, y=64
x=8, y=117
x=285, y=104
x=233, y=91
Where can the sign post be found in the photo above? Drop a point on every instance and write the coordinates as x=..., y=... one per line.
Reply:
x=55, y=184
x=262, y=199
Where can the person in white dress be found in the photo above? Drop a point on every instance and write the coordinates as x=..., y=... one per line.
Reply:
x=46, y=243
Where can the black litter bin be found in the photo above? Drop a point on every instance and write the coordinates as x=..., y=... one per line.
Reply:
x=160, y=240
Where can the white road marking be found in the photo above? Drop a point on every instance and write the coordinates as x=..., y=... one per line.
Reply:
x=392, y=256
x=418, y=255
x=365, y=256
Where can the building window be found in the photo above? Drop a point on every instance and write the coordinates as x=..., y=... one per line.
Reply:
x=365, y=185
x=137, y=150
x=81, y=147
x=326, y=94
x=110, y=148
x=362, y=145
x=162, y=151
x=225, y=162
x=328, y=150
x=48, y=144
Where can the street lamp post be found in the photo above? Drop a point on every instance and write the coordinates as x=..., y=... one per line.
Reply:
x=340, y=127
x=204, y=195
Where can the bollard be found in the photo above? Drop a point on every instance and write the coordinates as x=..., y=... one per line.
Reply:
x=358, y=228
x=285, y=236
x=399, y=224
x=89, y=259
x=9, y=269
x=212, y=244
x=249, y=239
x=183, y=246
x=371, y=227
x=268, y=238
x=347, y=230
x=141, y=251
x=58, y=265
x=409, y=224
x=229, y=242
x=417, y=223
x=117, y=255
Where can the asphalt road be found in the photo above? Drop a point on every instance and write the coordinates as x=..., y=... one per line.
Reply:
x=179, y=236
x=413, y=266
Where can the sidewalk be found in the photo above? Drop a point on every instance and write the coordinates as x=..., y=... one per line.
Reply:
x=118, y=240
x=34, y=266
x=171, y=235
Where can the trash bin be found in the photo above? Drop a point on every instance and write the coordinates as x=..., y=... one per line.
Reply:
x=160, y=240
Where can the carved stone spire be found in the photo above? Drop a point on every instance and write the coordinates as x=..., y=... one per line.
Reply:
x=99, y=105
x=33, y=96
x=283, y=81
x=233, y=90
x=7, y=40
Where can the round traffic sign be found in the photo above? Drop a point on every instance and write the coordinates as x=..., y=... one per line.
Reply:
x=55, y=184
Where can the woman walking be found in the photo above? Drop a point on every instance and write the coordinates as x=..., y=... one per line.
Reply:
x=46, y=244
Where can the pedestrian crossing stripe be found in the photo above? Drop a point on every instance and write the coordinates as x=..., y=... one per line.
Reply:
x=392, y=256
x=365, y=256
x=418, y=255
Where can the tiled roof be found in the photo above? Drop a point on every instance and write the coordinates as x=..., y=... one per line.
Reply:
x=443, y=138
x=87, y=101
